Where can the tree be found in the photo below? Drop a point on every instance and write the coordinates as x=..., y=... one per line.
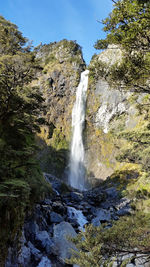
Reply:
x=122, y=243
x=128, y=26
x=21, y=181
x=11, y=40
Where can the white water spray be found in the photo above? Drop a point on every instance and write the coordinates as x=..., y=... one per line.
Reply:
x=78, y=216
x=77, y=170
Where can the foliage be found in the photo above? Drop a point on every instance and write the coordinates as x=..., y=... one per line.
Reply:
x=11, y=40
x=102, y=245
x=128, y=26
x=21, y=181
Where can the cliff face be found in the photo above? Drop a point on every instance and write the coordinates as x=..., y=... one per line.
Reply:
x=109, y=112
x=62, y=63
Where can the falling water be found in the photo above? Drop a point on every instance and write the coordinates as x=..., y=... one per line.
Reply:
x=77, y=170
x=78, y=216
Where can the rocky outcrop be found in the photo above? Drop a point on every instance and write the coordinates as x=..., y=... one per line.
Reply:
x=62, y=64
x=110, y=110
x=46, y=242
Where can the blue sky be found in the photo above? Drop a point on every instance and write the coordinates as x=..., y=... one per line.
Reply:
x=53, y=20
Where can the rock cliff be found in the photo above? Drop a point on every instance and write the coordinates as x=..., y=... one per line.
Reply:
x=110, y=110
x=61, y=65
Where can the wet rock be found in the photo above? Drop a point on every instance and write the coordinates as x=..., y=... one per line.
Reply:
x=78, y=216
x=55, y=182
x=39, y=217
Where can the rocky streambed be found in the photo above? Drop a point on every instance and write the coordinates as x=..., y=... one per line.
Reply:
x=44, y=241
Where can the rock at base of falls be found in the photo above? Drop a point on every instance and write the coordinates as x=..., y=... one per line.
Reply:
x=45, y=262
x=62, y=245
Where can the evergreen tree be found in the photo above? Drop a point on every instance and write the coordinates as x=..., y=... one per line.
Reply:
x=122, y=243
x=128, y=26
x=21, y=181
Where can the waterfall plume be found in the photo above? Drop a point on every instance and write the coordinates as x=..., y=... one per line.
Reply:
x=77, y=169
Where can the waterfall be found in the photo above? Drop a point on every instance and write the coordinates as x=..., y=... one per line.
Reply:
x=77, y=169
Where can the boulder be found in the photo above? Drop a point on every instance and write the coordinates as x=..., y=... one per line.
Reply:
x=43, y=241
x=55, y=217
x=124, y=211
x=59, y=207
x=103, y=215
x=142, y=261
x=111, y=192
x=62, y=246
x=122, y=203
x=30, y=230
x=45, y=262
x=123, y=207
x=96, y=222
x=24, y=257
x=35, y=253
x=95, y=196
x=76, y=196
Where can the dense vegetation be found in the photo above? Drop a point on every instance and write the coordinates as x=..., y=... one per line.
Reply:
x=21, y=181
x=99, y=246
x=128, y=27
